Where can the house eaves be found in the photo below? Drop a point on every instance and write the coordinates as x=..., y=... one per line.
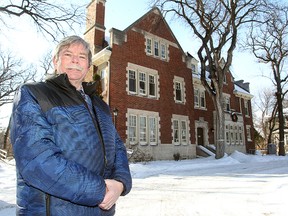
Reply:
x=102, y=56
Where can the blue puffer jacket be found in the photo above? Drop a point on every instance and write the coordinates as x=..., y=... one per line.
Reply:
x=61, y=157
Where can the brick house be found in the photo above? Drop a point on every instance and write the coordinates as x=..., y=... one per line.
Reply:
x=153, y=88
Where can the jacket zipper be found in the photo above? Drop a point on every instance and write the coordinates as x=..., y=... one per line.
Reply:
x=47, y=198
x=97, y=127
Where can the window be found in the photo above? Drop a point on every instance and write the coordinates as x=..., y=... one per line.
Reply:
x=193, y=69
x=227, y=104
x=132, y=81
x=143, y=127
x=202, y=99
x=240, y=134
x=132, y=129
x=149, y=46
x=176, y=131
x=163, y=51
x=248, y=131
x=196, y=97
x=152, y=86
x=183, y=132
x=199, y=98
x=178, y=88
x=234, y=134
x=156, y=48
x=232, y=140
x=142, y=83
x=180, y=131
x=246, y=108
x=227, y=134
x=152, y=130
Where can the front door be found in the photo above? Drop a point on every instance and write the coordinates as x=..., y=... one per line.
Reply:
x=200, y=140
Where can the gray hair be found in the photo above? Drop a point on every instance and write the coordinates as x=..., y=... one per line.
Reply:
x=67, y=41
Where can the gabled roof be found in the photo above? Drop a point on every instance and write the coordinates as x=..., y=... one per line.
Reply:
x=156, y=11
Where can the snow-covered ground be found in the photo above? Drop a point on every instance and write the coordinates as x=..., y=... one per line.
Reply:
x=236, y=185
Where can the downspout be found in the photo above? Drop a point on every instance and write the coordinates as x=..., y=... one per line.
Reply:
x=108, y=80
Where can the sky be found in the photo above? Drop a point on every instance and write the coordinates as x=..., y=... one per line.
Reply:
x=31, y=46
x=235, y=185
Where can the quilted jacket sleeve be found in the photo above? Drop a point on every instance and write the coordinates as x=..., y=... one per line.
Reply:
x=40, y=162
x=122, y=172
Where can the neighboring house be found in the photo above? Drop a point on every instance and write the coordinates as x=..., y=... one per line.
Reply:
x=153, y=88
x=275, y=132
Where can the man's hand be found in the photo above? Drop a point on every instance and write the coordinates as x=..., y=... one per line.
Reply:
x=113, y=191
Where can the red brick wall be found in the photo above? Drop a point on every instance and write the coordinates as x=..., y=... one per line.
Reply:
x=133, y=51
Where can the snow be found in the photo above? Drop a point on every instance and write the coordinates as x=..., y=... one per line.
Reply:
x=235, y=185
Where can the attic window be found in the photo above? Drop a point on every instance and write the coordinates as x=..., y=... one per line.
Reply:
x=156, y=48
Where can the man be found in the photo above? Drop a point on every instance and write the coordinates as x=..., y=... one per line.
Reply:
x=69, y=158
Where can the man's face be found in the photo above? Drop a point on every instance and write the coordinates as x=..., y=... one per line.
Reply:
x=73, y=61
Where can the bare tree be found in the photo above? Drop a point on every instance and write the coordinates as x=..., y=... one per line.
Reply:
x=269, y=43
x=216, y=23
x=266, y=105
x=50, y=17
x=13, y=73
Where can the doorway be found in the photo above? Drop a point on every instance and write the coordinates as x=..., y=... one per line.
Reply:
x=200, y=136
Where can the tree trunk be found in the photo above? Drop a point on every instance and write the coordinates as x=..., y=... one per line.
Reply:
x=220, y=127
x=281, y=123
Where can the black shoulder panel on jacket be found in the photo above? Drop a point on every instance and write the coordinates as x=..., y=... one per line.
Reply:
x=49, y=95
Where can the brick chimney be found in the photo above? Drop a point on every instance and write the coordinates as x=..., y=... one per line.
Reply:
x=95, y=29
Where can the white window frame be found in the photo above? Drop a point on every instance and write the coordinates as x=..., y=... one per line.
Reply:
x=248, y=132
x=156, y=48
x=152, y=82
x=246, y=108
x=146, y=128
x=180, y=128
x=132, y=119
x=199, y=98
x=135, y=81
x=149, y=46
x=142, y=77
x=163, y=51
x=152, y=130
x=176, y=133
x=142, y=80
x=179, y=85
x=142, y=130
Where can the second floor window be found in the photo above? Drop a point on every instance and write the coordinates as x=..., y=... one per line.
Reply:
x=142, y=82
x=227, y=104
x=178, y=90
x=199, y=98
x=132, y=81
x=152, y=86
x=246, y=108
